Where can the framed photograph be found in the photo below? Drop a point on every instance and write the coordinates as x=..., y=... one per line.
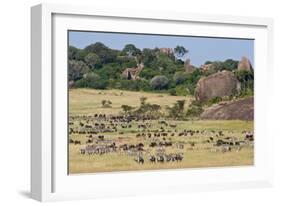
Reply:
x=138, y=102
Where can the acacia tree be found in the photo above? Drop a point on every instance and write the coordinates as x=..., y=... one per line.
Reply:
x=105, y=54
x=149, y=56
x=131, y=50
x=180, y=77
x=127, y=109
x=72, y=52
x=92, y=59
x=246, y=78
x=92, y=80
x=81, y=54
x=180, y=105
x=76, y=70
x=143, y=100
x=180, y=51
x=177, y=110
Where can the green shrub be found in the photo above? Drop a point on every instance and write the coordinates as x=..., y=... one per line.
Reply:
x=214, y=100
x=92, y=80
x=173, y=92
x=181, y=90
x=149, y=73
x=92, y=60
x=246, y=79
x=76, y=70
x=194, y=111
x=127, y=109
x=180, y=77
x=106, y=103
x=177, y=110
x=159, y=82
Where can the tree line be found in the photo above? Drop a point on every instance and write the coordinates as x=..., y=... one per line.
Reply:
x=100, y=67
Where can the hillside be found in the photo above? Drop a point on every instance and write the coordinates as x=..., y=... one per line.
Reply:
x=163, y=71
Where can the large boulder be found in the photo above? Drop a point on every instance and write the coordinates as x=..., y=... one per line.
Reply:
x=168, y=51
x=242, y=109
x=245, y=64
x=220, y=84
x=188, y=67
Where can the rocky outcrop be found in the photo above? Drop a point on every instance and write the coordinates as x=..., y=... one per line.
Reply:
x=206, y=67
x=220, y=84
x=132, y=73
x=168, y=51
x=188, y=67
x=242, y=109
x=245, y=64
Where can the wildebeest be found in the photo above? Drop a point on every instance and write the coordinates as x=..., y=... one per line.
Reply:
x=139, y=159
x=152, y=158
x=249, y=136
x=101, y=137
x=153, y=144
x=179, y=157
x=82, y=151
x=77, y=142
x=89, y=141
x=192, y=144
x=220, y=142
x=104, y=129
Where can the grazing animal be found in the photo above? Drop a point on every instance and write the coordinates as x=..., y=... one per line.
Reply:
x=140, y=145
x=160, y=158
x=153, y=144
x=179, y=157
x=180, y=146
x=101, y=137
x=249, y=137
x=152, y=158
x=89, y=141
x=77, y=142
x=139, y=159
x=225, y=148
x=192, y=144
x=220, y=142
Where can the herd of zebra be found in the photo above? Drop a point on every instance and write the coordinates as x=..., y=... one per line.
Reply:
x=146, y=139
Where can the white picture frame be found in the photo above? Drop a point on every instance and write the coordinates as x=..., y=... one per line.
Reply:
x=49, y=178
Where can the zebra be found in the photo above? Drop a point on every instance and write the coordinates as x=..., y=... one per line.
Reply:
x=160, y=158
x=139, y=159
x=152, y=158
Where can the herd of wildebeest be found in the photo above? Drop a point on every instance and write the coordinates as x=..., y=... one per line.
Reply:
x=148, y=140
